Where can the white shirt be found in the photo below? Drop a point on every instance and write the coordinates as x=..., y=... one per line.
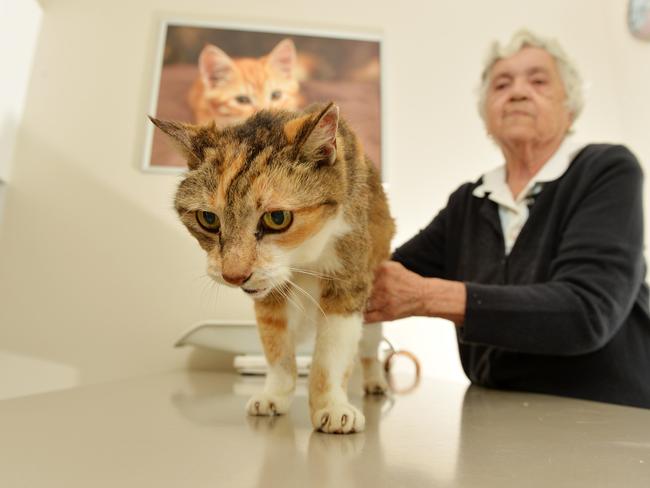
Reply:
x=513, y=212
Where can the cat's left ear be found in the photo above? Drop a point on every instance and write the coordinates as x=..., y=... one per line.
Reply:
x=283, y=58
x=189, y=139
x=316, y=139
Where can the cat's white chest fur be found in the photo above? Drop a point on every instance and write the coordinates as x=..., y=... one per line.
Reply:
x=316, y=255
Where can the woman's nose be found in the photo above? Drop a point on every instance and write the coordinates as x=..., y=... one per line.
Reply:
x=520, y=90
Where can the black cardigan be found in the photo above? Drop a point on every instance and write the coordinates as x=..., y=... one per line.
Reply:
x=566, y=312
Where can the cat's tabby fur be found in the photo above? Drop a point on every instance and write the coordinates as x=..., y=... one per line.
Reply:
x=318, y=271
x=229, y=90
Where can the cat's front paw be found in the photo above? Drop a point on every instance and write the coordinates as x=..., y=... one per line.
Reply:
x=374, y=380
x=268, y=404
x=339, y=418
x=375, y=386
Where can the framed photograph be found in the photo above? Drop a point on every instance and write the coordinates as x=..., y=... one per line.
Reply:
x=206, y=72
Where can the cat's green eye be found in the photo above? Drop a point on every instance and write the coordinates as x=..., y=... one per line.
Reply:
x=208, y=221
x=243, y=99
x=277, y=220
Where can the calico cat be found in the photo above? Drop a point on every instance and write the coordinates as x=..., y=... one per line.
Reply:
x=289, y=209
x=229, y=90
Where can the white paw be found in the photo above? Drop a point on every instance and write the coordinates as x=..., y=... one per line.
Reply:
x=340, y=418
x=267, y=404
x=374, y=379
x=375, y=386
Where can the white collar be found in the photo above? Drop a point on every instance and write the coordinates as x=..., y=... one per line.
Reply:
x=494, y=182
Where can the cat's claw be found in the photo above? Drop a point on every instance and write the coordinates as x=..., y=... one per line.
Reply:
x=267, y=404
x=341, y=418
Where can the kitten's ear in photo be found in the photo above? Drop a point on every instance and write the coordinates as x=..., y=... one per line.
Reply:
x=283, y=58
x=215, y=66
x=190, y=140
x=315, y=135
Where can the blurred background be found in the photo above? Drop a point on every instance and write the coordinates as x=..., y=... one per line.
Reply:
x=98, y=279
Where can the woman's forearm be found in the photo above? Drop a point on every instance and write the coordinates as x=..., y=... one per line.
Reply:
x=445, y=299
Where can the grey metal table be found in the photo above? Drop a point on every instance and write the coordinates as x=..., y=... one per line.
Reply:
x=188, y=429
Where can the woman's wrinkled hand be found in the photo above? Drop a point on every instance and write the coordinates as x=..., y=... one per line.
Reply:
x=397, y=293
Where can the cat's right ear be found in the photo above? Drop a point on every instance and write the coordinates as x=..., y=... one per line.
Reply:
x=314, y=135
x=215, y=66
x=283, y=58
x=185, y=137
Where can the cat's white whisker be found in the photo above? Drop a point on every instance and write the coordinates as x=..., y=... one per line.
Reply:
x=217, y=286
x=315, y=273
x=286, y=295
x=201, y=276
x=206, y=285
x=287, y=285
x=311, y=272
x=211, y=286
x=304, y=292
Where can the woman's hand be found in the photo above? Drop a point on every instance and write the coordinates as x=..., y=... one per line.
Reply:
x=398, y=293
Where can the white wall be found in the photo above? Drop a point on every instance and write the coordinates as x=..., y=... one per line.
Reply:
x=19, y=25
x=97, y=275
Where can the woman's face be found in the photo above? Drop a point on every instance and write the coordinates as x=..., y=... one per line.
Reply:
x=525, y=101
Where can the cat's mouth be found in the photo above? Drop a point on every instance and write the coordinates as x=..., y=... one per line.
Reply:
x=255, y=292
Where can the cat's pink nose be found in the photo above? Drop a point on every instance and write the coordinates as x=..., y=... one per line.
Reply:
x=236, y=279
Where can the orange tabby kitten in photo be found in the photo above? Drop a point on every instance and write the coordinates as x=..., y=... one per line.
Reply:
x=229, y=90
x=289, y=209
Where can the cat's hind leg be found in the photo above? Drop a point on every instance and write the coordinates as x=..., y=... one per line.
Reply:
x=279, y=350
x=374, y=380
x=337, y=340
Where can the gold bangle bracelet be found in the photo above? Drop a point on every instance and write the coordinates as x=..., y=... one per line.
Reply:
x=387, y=367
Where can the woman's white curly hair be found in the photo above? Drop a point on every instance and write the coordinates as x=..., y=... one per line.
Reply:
x=524, y=38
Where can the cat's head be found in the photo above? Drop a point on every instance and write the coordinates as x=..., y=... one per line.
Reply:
x=264, y=197
x=235, y=88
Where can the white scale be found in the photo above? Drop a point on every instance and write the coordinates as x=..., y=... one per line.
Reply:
x=241, y=338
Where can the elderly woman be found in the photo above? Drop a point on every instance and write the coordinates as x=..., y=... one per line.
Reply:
x=540, y=262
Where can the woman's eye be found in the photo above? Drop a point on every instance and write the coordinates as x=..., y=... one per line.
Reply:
x=243, y=99
x=277, y=220
x=208, y=221
x=276, y=95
